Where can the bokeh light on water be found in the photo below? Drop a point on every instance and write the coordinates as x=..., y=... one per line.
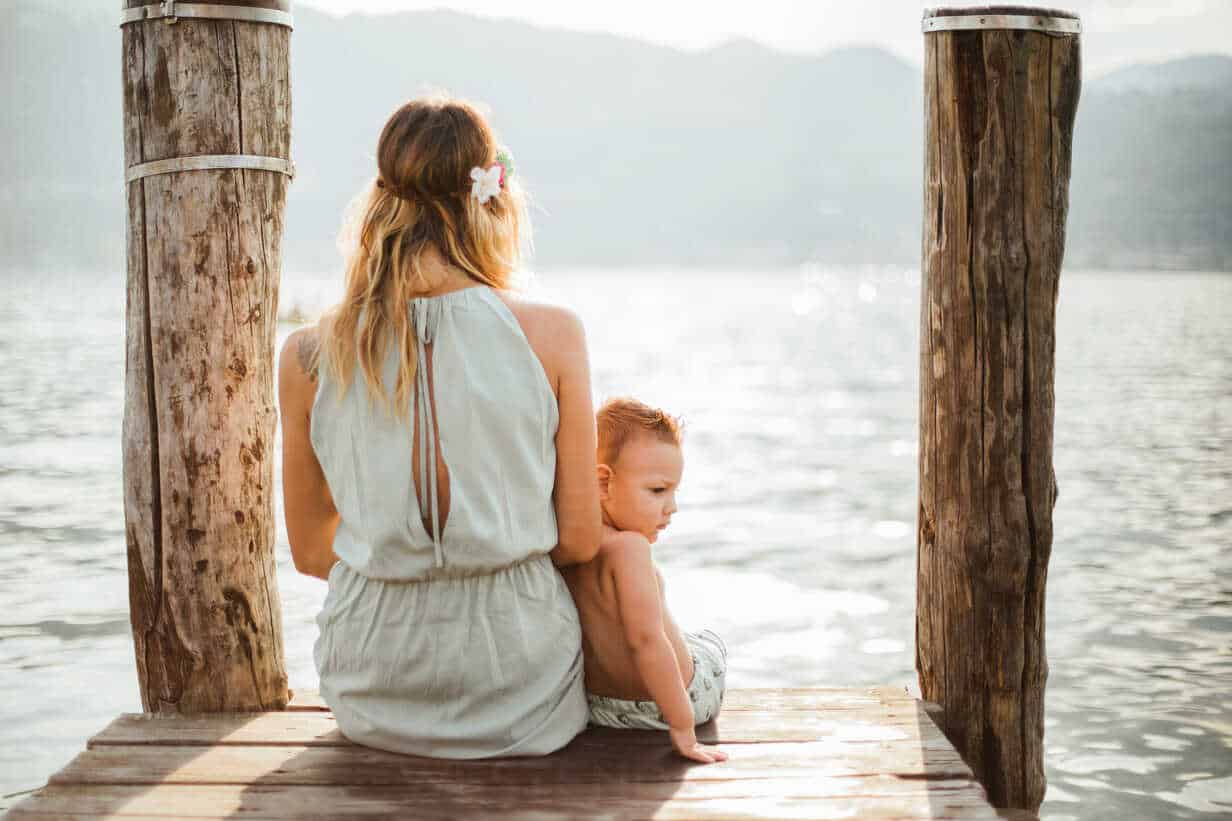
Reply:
x=795, y=537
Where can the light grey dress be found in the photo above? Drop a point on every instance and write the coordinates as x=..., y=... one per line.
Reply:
x=458, y=641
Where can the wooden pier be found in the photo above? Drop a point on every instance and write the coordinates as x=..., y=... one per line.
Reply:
x=814, y=753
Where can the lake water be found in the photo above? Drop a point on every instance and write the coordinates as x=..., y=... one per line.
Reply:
x=796, y=532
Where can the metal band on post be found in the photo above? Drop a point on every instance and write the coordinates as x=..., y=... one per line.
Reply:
x=209, y=161
x=171, y=11
x=973, y=22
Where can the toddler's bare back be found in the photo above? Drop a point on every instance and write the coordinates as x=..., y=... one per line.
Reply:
x=610, y=666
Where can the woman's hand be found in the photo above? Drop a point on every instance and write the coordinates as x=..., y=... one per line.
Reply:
x=684, y=740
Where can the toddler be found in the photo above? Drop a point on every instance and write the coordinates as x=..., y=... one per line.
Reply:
x=641, y=670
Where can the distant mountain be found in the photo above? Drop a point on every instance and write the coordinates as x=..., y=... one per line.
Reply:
x=1151, y=184
x=1206, y=72
x=635, y=153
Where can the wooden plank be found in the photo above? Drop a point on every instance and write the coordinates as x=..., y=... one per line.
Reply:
x=780, y=773
x=457, y=800
x=813, y=698
x=871, y=753
x=580, y=762
x=311, y=728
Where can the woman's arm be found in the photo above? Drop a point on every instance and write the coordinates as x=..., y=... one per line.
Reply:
x=557, y=338
x=576, y=492
x=308, y=506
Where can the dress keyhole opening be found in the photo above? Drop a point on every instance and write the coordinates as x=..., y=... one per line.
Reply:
x=442, y=472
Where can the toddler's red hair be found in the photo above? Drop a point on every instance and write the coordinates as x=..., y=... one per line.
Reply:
x=619, y=420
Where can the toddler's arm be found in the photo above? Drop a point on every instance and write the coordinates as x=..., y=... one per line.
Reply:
x=637, y=595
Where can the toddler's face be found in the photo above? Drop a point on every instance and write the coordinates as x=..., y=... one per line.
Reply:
x=638, y=493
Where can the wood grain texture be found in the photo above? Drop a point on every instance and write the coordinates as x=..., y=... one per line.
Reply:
x=586, y=760
x=204, y=253
x=294, y=764
x=999, y=116
x=239, y=801
x=320, y=729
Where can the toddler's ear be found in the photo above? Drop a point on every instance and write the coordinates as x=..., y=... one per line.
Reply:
x=605, y=480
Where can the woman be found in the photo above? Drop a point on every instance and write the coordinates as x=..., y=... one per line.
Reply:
x=439, y=461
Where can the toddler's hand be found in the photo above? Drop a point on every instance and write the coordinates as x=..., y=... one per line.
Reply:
x=685, y=742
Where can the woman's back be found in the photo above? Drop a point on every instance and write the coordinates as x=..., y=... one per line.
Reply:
x=489, y=465
x=455, y=636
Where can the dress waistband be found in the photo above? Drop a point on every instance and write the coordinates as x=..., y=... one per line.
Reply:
x=451, y=572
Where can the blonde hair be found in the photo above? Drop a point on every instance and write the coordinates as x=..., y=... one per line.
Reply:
x=420, y=199
x=619, y=420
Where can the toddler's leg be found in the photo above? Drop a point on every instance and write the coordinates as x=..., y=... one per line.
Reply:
x=705, y=691
x=709, y=674
x=625, y=714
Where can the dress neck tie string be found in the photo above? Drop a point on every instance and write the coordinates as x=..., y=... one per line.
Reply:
x=426, y=315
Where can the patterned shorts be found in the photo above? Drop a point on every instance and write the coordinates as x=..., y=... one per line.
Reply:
x=705, y=690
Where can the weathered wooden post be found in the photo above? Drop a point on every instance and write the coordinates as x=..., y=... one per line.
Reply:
x=1001, y=88
x=207, y=132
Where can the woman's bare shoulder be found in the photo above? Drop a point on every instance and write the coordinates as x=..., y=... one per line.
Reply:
x=300, y=351
x=297, y=368
x=553, y=330
x=539, y=314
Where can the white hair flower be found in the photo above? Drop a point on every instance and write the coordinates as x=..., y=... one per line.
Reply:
x=487, y=182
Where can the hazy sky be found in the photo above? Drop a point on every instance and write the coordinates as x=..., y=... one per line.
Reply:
x=1116, y=32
